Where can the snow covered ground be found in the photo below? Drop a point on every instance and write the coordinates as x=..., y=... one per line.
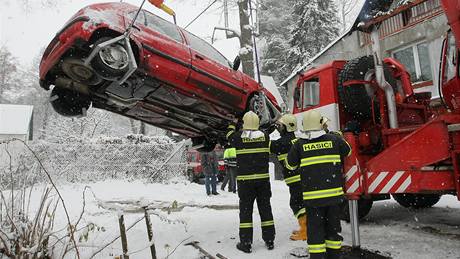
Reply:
x=213, y=221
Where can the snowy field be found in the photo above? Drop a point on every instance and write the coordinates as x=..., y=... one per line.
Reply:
x=184, y=213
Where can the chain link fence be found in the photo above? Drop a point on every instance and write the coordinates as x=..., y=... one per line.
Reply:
x=153, y=159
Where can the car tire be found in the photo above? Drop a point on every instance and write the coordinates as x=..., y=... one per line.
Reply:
x=104, y=62
x=417, y=201
x=69, y=103
x=364, y=207
x=357, y=99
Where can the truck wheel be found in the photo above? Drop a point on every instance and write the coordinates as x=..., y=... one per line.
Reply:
x=417, y=201
x=364, y=207
x=357, y=98
x=69, y=103
x=112, y=61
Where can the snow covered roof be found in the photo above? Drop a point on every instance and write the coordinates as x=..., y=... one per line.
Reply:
x=15, y=119
x=269, y=83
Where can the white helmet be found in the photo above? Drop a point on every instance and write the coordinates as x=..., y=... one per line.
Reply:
x=290, y=121
x=312, y=121
x=250, y=121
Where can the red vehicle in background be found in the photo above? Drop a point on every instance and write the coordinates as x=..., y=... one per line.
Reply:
x=194, y=169
x=117, y=57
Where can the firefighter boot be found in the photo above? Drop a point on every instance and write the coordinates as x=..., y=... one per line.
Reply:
x=302, y=233
x=245, y=247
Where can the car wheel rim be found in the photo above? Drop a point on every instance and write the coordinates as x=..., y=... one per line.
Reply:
x=114, y=56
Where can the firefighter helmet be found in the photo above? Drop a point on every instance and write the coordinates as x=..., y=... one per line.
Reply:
x=290, y=121
x=250, y=121
x=312, y=121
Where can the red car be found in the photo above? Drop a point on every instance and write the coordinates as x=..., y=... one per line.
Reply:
x=156, y=72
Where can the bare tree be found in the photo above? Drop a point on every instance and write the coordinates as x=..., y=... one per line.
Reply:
x=8, y=70
x=246, y=52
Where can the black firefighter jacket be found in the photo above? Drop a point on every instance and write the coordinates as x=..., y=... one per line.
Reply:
x=319, y=161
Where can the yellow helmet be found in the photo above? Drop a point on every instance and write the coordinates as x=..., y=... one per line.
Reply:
x=312, y=121
x=290, y=121
x=250, y=121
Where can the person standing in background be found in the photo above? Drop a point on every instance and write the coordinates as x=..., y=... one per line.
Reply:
x=230, y=166
x=209, y=165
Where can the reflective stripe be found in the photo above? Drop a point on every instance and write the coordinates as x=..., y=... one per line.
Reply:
x=316, y=249
x=293, y=179
x=282, y=157
x=267, y=223
x=252, y=151
x=333, y=244
x=300, y=212
x=288, y=166
x=323, y=194
x=246, y=225
x=349, y=153
x=231, y=127
x=230, y=133
x=320, y=160
x=252, y=177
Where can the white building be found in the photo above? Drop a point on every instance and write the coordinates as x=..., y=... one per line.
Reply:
x=411, y=31
x=16, y=122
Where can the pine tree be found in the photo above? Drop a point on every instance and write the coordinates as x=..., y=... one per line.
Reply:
x=275, y=21
x=316, y=27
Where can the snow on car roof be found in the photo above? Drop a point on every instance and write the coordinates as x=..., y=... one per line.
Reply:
x=15, y=119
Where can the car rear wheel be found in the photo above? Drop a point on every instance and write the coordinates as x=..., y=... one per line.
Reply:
x=202, y=144
x=69, y=103
x=112, y=61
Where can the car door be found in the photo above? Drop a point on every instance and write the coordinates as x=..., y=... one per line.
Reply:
x=212, y=74
x=166, y=56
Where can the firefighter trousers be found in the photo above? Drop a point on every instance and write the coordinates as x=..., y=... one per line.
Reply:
x=324, y=240
x=248, y=192
x=296, y=200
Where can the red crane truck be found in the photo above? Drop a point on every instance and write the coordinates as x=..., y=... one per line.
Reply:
x=402, y=146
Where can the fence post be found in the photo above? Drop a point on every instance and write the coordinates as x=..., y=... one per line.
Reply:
x=124, y=240
x=150, y=233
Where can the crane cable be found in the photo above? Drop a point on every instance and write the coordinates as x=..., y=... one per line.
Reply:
x=198, y=16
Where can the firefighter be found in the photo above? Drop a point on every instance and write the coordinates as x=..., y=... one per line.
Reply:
x=230, y=166
x=287, y=126
x=318, y=156
x=253, y=180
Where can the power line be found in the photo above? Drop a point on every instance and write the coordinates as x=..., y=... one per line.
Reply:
x=198, y=16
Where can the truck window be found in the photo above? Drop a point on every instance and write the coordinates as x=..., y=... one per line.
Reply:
x=451, y=59
x=310, y=93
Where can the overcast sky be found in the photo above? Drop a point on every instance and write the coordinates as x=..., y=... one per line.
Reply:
x=24, y=29
x=28, y=25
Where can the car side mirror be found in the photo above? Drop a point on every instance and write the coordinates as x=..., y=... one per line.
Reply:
x=236, y=63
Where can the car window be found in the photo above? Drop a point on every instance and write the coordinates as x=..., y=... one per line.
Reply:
x=140, y=17
x=206, y=49
x=162, y=26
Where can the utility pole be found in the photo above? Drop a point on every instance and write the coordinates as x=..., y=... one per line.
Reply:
x=246, y=52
